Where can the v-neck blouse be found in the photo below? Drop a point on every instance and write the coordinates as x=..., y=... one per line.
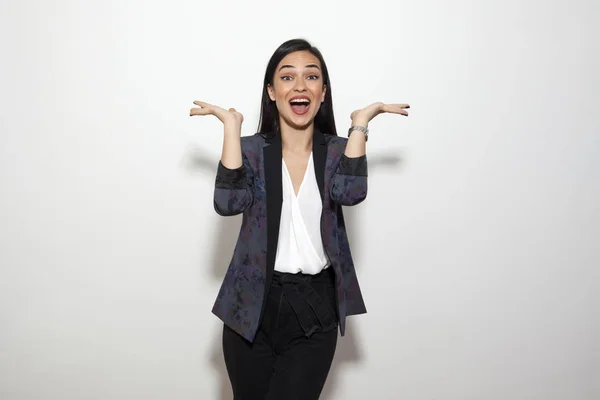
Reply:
x=300, y=248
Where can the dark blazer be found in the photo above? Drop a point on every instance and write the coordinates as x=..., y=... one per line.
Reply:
x=255, y=189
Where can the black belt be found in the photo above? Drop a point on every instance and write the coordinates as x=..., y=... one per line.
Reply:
x=300, y=293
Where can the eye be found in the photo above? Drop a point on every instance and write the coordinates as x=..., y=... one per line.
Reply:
x=313, y=77
x=286, y=78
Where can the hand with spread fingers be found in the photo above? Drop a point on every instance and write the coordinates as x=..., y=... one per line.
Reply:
x=231, y=157
x=227, y=117
x=362, y=117
x=360, y=120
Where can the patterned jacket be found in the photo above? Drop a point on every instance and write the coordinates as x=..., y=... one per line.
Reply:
x=255, y=189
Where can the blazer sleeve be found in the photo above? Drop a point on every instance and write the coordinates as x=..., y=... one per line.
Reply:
x=349, y=183
x=233, y=189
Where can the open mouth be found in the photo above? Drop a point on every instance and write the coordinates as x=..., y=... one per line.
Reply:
x=300, y=105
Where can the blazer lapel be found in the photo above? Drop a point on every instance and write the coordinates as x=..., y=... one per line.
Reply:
x=272, y=166
x=319, y=159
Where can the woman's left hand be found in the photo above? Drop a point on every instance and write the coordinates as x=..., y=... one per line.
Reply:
x=363, y=116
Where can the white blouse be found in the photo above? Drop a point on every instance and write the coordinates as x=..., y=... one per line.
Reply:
x=300, y=248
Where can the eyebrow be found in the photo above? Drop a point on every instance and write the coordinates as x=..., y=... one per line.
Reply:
x=308, y=66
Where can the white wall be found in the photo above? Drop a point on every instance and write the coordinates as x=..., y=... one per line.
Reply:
x=477, y=248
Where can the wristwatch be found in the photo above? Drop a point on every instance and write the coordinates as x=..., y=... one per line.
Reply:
x=359, y=128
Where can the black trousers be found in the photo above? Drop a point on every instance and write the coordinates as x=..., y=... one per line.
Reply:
x=292, y=353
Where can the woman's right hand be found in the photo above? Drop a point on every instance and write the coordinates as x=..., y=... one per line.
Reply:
x=231, y=155
x=229, y=117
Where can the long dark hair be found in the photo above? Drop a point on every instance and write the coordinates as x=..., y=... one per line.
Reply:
x=269, y=115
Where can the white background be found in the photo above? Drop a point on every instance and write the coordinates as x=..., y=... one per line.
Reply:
x=477, y=248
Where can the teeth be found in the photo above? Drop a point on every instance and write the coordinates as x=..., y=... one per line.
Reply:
x=300, y=101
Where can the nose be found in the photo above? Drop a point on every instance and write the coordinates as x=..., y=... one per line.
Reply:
x=300, y=85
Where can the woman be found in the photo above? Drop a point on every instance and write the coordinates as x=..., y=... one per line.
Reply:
x=291, y=281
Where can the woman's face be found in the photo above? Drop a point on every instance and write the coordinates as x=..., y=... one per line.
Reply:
x=297, y=89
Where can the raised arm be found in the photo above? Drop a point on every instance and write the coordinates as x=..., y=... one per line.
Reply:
x=233, y=184
x=349, y=184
